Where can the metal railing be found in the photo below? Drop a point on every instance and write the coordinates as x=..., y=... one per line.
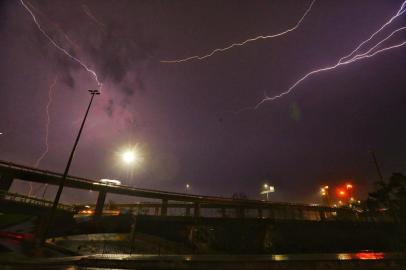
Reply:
x=150, y=193
x=15, y=197
x=11, y=165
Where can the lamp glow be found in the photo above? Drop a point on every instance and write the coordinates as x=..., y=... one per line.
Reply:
x=129, y=156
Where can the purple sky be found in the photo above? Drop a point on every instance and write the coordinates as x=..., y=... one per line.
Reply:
x=179, y=115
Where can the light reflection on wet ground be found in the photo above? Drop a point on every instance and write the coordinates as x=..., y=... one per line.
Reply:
x=189, y=261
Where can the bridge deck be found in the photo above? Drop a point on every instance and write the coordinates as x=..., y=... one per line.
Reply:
x=19, y=198
x=53, y=178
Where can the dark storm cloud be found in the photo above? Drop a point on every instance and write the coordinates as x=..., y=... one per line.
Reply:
x=109, y=107
x=117, y=50
x=4, y=15
x=295, y=112
x=112, y=47
x=121, y=47
x=129, y=91
x=60, y=62
x=68, y=79
x=321, y=132
x=140, y=84
x=119, y=57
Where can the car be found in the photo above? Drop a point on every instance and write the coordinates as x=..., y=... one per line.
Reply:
x=111, y=182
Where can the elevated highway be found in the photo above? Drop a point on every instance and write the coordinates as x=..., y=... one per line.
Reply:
x=17, y=203
x=191, y=203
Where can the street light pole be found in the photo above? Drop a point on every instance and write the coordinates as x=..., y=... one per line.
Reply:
x=65, y=173
x=267, y=189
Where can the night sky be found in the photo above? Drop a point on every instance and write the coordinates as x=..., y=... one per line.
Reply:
x=181, y=116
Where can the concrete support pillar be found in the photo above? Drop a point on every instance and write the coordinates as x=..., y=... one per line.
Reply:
x=156, y=211
x=260, y=215
x=240, y=212
x=196, y=209
x=188, y=211
x=164, y=207
x=100, y=204
x=223, y=212
x=300, y=214
x=40, y=227
x=5, y=181
x=286, y=213
x=271, y=213
x=322, y=215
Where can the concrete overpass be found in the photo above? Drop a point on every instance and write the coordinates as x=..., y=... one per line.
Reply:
x=10, y=171
x=17, y=203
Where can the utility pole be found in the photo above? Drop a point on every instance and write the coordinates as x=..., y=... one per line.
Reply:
x=65, y=174
x=378, y=169
x=267, y=189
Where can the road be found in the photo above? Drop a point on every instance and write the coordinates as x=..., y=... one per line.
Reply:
x=361, y=260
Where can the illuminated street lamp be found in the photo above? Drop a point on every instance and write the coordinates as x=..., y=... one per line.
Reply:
x=267, y=189
x=350, y=189
x=130, y=156
x=351, y=201
x=187, y=187
x=324, y=191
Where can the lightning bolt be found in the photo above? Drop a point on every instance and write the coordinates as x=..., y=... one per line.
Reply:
x=399, y=13
x=86, y=10
x=352, y=57
x=56, y=25
x=75, y=59
x=239, y=44
x=47, y=122
x=60, y=48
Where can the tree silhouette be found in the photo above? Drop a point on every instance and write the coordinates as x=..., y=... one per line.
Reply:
x=390, y=195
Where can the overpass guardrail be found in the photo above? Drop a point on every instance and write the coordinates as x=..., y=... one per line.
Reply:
x=4, y=195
